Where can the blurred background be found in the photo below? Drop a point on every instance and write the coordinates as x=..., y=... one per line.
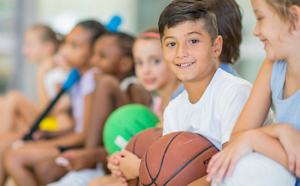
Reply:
x=62, y=15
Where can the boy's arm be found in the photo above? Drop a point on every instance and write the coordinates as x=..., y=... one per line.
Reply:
x=202, y=181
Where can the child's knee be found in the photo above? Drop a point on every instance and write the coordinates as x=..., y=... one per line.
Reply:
x=12, y=160
x=45, y=172
x=13, y=96
x=6, y=140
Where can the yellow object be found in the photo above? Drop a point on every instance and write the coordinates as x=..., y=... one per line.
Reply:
x=49, y=123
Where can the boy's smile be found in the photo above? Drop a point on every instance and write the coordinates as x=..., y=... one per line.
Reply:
x=189, y=51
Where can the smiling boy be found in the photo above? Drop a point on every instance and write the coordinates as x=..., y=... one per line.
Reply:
x=213, y=99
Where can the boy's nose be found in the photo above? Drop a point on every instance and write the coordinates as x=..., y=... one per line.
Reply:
x=182, y=51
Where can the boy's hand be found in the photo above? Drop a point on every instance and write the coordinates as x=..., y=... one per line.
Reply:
x=225, y=161
x=129, y=165
x=80, y=159
x=290, y=140
x=113, y=165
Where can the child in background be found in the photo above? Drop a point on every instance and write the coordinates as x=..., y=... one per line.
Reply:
x=154, y=75
x=115, y=87
x=213, y=98
x=229, y=21
x=278, y=26
x=17, y=111
x=77, y=51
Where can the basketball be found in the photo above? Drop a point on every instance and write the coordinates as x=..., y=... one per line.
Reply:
x=176, y=159
x=140, y=143
x=124, y=123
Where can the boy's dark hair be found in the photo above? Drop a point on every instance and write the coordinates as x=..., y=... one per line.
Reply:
x=179, y=11
x=229, y=20
x=96, y=28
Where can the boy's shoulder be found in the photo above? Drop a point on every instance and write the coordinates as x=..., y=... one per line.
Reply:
x=224, y=84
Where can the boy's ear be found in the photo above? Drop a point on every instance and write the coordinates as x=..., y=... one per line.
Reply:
x=218, y=45
x=125, y=64
x=295, y=12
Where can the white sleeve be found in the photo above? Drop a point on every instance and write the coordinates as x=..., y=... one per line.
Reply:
x=232, y=103
x=88, y=83
x=166, y=125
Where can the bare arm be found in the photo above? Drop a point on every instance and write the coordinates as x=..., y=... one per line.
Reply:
x=257, y=107
x=76, y=139
x=202, y=181
x=137, y=94
x=106, y=98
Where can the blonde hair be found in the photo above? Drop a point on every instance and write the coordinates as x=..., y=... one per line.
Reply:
x=46, y=34
x=282, y=8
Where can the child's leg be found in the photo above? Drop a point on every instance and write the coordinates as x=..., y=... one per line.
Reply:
x=105, y=181
x=48, y=171
x=6, y=141
x=19, y=163
x=16, y=105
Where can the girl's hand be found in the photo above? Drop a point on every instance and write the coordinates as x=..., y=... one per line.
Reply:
x=129, y=165
x=225, y=161
x=40, y=134
x=79, y=159
x=290, y=140
x=24, y=131
x=113, y=164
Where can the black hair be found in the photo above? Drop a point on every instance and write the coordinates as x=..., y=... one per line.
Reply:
x=96, y=28
x=179, y=11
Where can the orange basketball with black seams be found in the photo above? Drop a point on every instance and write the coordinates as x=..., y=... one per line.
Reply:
x=176, y=159
x=140, y=143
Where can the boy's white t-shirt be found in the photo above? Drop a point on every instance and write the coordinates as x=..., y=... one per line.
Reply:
x=215, y=114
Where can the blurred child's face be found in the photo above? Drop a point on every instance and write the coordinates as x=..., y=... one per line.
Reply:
x=33, y=47
x=107, y=54
x=189, y=52
x=271, y=30
x=76, y=49
x=150, y=65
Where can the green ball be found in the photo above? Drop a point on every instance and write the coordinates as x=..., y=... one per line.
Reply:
x=124, y=123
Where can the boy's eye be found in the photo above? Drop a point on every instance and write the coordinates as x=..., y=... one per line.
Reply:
x=171, y=44
x=194, y=41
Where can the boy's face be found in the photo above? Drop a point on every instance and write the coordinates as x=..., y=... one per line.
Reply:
x=189, y=52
